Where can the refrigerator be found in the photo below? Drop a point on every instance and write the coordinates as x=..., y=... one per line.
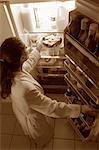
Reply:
x=68, y=65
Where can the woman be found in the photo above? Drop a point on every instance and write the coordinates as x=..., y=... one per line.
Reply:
x=32, y=108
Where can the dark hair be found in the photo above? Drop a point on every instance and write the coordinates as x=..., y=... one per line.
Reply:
x=11, y=52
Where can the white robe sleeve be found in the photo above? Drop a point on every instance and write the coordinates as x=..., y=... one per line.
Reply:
x=45, y=105
x=32, y=61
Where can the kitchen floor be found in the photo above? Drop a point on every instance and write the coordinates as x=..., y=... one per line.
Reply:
x=13, y=138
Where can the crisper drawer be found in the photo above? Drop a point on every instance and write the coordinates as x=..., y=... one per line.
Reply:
x=87, y=63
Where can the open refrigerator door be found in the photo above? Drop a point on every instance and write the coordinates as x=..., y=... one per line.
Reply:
x=81, y=45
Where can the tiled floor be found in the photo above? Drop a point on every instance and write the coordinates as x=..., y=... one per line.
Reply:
x=13, y=138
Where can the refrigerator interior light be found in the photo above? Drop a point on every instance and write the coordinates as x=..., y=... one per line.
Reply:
x=9, y=20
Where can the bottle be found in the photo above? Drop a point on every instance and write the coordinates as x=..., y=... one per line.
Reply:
x=61, y=18
x=90, y=41
x=69, y=29
x=73, y=27
x=97, y=44
x=84, y=30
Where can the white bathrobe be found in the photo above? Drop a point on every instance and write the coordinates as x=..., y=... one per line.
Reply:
x=32, y=108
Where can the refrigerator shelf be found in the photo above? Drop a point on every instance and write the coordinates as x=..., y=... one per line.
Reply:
x=51, y=81
x=81, y=118
x=59, y=89
x=51, y=75
x=55, y=86
x=81, y=93
x=54, y=57
x=39, y=31
x=84, y=73
x=85, y=59
x=59, y=67
x=91, y=73
x=74, y=88
x=87, y=90
x=82, y=49
x=77, y=130
x=71, y=99
x=89, y=8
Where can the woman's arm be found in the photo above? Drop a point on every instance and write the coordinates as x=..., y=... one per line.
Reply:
x=49, y=107
x=32, y=61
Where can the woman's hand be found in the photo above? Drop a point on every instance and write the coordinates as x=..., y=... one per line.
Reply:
x=86, y=109
x=39, y=45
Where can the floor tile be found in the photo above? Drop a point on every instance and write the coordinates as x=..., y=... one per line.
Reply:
x=7, y=123
x=5, y=141
x=6, y=108
x=63, y=144
x=32, y=145
x=63, y=129
x=47, y=147
x=18, y=129
x=20, y=143
x=98, y=138
x=98, y=146
x=79, y=145
x=77, y=137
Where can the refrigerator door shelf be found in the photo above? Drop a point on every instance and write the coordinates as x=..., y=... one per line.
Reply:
x=89, y=8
